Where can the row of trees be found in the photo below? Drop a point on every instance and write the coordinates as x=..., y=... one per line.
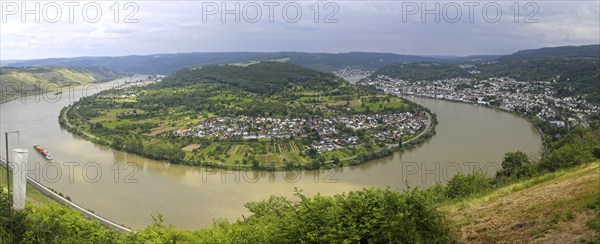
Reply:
x=580, y=146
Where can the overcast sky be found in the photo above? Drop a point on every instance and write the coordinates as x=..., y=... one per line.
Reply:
x=379, y=26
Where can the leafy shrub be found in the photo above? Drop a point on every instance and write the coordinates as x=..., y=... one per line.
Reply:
x=516, y=165
x=50, y=224
x=596, y=152
x=462, y=185
x=366, y=216
x=59, y=224
x=164, y=150
x=369, y=216
x=574, y=149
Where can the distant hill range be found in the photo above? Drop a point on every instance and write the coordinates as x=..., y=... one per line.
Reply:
x=564, y=52
x=577, y=67
x=472, y=58
x=169, y=63
x=25, y=81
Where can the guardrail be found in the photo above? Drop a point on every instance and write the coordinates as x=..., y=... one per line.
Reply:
x=64, y=201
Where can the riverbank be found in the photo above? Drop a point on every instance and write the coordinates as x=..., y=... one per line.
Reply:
x=43, y=193
x=543, y=136
x=33, y=195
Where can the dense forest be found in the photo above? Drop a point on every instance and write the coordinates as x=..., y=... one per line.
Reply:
x=265, y=78
x=422, y=71
x=169, y=63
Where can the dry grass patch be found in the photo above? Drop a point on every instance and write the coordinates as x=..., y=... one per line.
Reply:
x=343, y=103
x=549, y=209
x=191, y=147
x=160, y=130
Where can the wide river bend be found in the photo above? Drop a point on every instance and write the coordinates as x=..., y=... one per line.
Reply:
x=128, y=189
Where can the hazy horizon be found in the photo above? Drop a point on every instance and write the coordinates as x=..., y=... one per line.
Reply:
x=426, y=28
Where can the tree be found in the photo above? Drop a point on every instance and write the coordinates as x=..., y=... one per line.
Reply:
x=312, y=152
x=596, y=152
x=513, y=163
x=133, y=144
x=400, y=142
x=255, y=164
x=97, y=126
x=117, y=142
x=164, y=150
x=464, y=185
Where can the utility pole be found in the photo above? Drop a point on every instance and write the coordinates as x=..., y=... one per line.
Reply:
x=8, y=178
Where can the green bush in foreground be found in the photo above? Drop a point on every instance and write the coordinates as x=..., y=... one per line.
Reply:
x=370, y=215
x=462, y=185
x=50, y=224
x=578, y=147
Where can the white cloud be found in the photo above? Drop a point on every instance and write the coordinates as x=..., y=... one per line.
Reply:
x=177, y=26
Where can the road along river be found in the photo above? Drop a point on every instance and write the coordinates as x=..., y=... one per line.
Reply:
x=128, y=189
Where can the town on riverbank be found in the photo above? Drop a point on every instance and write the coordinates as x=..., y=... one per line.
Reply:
x=537, y=100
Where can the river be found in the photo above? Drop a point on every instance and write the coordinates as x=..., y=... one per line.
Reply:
x=128, y=189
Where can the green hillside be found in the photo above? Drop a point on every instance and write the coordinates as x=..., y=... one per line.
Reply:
x=422, y=71
x=261, y=78
x=26, y=81
x=557, y=207
x=562, y=52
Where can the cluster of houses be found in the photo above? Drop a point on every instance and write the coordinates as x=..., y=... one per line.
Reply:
x=245, y=127
x=537, y=98
x=384, y=126
x=140, y=83
x=348, y=71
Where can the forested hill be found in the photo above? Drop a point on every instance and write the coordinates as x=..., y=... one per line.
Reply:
x=266, y=88
x=576, y=52
x=13, y=80
x=422, y=71
x=168, y=63
x=580, y=65
x=262, y=78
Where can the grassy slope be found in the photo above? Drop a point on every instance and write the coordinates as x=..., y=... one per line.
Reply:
x=33, y=195
x=48, y=78
x=551, y=209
